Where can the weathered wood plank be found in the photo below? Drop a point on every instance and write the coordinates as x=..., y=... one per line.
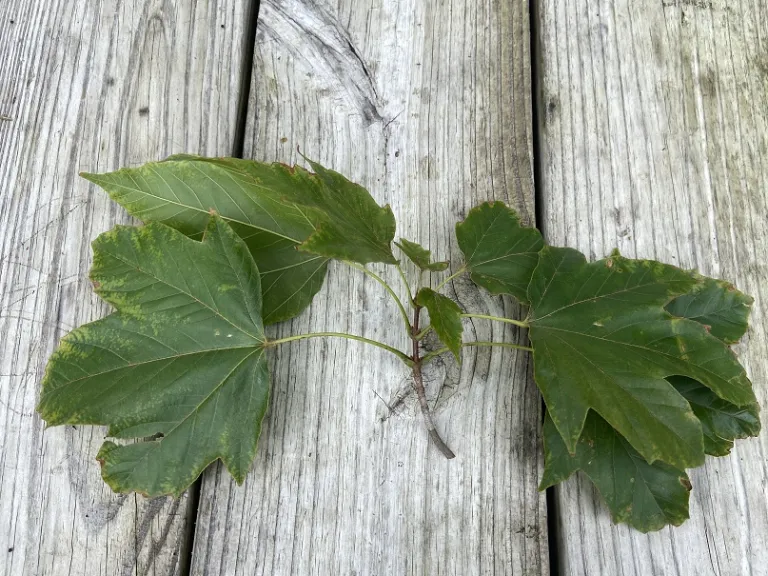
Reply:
x=428, y=105
x=88, y=85
x=654, y=138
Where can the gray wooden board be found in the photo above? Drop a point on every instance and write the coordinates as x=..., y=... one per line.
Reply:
x=92, y=86
x=427, y=104
x=654, y=139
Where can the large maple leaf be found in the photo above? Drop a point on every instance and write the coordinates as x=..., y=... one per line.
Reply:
x=181, y=361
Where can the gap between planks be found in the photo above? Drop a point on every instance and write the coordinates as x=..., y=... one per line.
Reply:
x=244, y=88
x=554, y=534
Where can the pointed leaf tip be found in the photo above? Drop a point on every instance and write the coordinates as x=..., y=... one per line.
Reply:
x=716, y=304
x=420, y=256
x=721, y=421
x=444, y=317
x=500, y=254
x=182, y=190
x=353, y=227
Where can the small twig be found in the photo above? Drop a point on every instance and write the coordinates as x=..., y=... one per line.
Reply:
x=418, y=386
x=400, y=398
x=392, y=408
x=5, y=118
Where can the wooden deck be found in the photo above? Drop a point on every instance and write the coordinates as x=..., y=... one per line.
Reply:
x=646, y=130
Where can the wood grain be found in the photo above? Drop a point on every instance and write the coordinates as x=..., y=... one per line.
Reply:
x=88, y=86
x=654, y=139
x=427, y=104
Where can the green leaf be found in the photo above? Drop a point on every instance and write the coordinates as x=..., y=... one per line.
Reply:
x=645, y=496
x=725, y=312
x=721, y=421
x=717, y=305
x=499, y=253
x=355, y=227
x=444, y=317
x=420, y=256
x=182, y=359
x=183, y=190
x=603, y=341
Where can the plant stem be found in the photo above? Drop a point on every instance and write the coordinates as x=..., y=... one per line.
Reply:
x=428, y=358
x=408, y=362
x=407, y=287
x=437, y=353
x=500, y=344
x=498, y=319
x=423, y=333
x=418, y=386
x=388, y=288
x=458, y=273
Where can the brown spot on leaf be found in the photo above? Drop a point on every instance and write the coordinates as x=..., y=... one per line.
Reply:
x=609, y=263
x=686, y=483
